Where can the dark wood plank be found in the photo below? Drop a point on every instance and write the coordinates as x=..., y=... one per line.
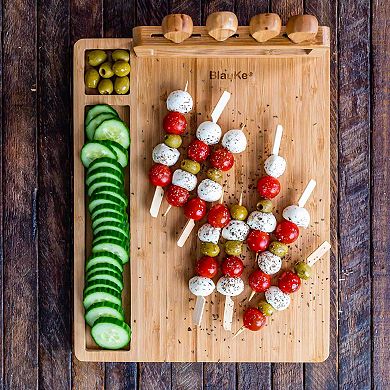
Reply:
x=286, y=8
x=219, y=376
x=20, y=194
x=54, y=208
x=121, y=376
x=380, y=197
x=151, y=13
x=1, y=219
x=118, y=18
x=189, y=7
x=245, y=9
x=209, y=7
x=187, y=376
x=155, y=376
x=354, y=195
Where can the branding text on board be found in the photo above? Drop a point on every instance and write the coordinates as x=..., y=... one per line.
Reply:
x=236, y=75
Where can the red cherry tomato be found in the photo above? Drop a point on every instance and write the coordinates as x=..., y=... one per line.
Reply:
x=222, y=159
x=198, y=151
x=233, y=267
x=175, y=123
x=254, y=319
x=289, y=282
x=195, y=209
x=258, y=241
x=268, y=187
x=207, y=266
x=219, y=216
x=160, y=175
x=286, y=232
x=259, y=281
x=177, y=196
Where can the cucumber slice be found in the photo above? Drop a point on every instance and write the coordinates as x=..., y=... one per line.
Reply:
x=122, y=153
x=105, y=162
x=104, y=258
x=113, y=130
x=112, y=192
x=103, y=274
x=108, y=208
x=108, y=233
x=104, y=182
x=115, y=246
x=100, y=199
x=103, y=173
x=102, y=294
x=109, y=217
x=94, y=150
x=95, y=122
x=99, y=109
x=103, y=309
x=111, y=333
x=104, y=267
x=101, y=283
x=115, y=226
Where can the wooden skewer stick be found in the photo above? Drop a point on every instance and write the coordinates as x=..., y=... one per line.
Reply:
x=167, y=211
x=240, y=199
x=198, y=311
x=156, y=202
x=277, y=140
x=186, y=87
x=242, y=329
x=185, y=233
x=253, y=293
x=220, y=106
x=318, y=253
x=306, y=193
x=228, y=313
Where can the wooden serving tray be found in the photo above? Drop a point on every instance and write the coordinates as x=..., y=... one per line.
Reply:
x=286, y=84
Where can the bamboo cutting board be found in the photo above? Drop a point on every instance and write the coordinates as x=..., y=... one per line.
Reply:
x=285, y=84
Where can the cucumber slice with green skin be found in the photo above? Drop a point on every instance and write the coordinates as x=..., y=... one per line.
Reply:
x=111, y=276
x=104, y=173
x=104, y=182
x=101, y=294
x=99, y=258
x=101, y=283
x=109, y=233
x=119, y=227
x=108, y=208
x=105, y=162
x=99, y=109
x=103, y=309
x=109, y=217
x=104, y=267
x=94, y=150
x=113, y=192
x=95, y=122
x=113, y=130
x=111, y=333
x=99, y=199
x=115, y=246
x=122, y=153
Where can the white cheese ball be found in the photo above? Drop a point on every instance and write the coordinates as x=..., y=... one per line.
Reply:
x=180, y=101
x=209, y=132
x=165, y=155
x=235, y=231
x=234, y=141
x=299, y=215
x=277, y=298
x=269, y=263
x=201, y=286
x=208, y=233
x=209, y=190
x=275, y=165
x=230, y=286
x=184, y=179
x=266, y=222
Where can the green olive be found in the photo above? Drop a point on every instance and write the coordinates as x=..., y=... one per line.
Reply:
x=233, y=248
x=238, y=212
x=209, y=249
x=265, y=206
x=105, y=87
x=121, y=68
x=278, y=248
x=91, y=78
x=215, y=175
x=122, y=85
x=173, y=141
x=105, y=70
x=266, y=308
x=96, y=57
x=190, y=166
x=303, y=270
x=120, y=55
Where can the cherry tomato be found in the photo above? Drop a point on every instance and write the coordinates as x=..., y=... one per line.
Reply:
x=207, y=266
x=258, y=241
x=219, y=216
x=268, y=187
x=175, y=123
x=289, y=282
x=195, y=209
x=198, y=150
x=286, y=232
x=233, y=267
x=160, y=175
x=222, y=159
x=177, y=196
x=259, y=281
x=254, y=319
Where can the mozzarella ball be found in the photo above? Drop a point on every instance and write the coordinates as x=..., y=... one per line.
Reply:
x=269, y=263
x=207, y=233
x=299, y=215
x=165, y=155
x=235, y=231
x=275, y=165
x=209, y=190
x=230, y=286
x=234, y=141
x=180, y=101
x=266, y=222
x=184, y=179
x=201, y=286
x=209, y=132
x=277, y=298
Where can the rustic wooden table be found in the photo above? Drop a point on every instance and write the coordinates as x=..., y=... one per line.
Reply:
x=36, y=202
